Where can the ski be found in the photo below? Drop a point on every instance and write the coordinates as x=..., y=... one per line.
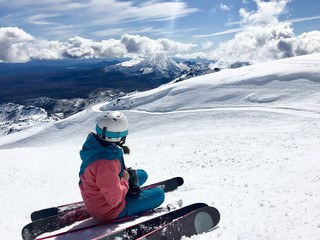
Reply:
x=196, y=222
x=141, y=229
x=77, y=212
x=167, y=185
x=93, y=225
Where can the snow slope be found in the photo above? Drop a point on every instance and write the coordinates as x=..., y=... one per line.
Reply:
x=246, y=141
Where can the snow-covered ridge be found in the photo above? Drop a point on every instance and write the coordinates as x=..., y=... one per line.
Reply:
x=131, y=62
x=273, y=84
x=15, y=117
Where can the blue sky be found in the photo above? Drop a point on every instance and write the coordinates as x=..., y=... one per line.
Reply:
x=192, y=27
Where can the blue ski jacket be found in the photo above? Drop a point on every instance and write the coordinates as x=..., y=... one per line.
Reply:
x=102, y=187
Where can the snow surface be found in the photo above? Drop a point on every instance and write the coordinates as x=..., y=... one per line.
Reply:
x=15, y=117
x=131, y=62
x=246, y=141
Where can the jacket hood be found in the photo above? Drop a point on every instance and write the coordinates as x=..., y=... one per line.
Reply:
x=92, y=150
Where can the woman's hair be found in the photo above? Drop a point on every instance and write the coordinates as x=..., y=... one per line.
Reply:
x=126, y=149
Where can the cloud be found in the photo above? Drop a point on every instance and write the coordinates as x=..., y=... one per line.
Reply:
x=261, y=38
x=109, y=32
x=174, y=46
x=303, y=19
x=90, y=14
x=308, y=43
x=266, y=13
x=233, y=30
x=194, y=55
x=136, y=44
x=206, y=45
x=225, y=7
x=10, y=39
x=78, y=47
x=19, y=46
x=39, y=19
x=264, y=38
x=258, y=44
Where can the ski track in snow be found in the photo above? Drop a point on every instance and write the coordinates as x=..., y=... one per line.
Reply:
x=256, y=160
x=290, y=111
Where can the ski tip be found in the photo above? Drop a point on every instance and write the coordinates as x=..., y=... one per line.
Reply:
x=206, y=219
x=27, y=234
x=180, y=180
x=43, y=213
x=215, y=215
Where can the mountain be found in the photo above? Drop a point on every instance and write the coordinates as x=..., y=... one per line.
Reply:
x=158, y=65
x=73, y=79
x=158, y=68
x=65, y=87
x=245, y=140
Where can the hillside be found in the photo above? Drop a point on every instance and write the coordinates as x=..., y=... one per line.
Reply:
x=245, y=140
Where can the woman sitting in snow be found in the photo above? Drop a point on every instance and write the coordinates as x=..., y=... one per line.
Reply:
x=104, y=179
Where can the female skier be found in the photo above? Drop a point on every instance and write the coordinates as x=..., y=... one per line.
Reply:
x=104, y=179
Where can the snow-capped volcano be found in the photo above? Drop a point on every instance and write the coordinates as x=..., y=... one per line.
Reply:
x=162, y=63
x=159, y=65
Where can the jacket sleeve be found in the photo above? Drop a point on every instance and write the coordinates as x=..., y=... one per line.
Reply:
x=111, y=187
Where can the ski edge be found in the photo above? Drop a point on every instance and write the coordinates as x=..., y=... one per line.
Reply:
x=214, y=215
x=188, y=208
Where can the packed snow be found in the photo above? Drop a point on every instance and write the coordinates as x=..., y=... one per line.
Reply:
x=246, y=141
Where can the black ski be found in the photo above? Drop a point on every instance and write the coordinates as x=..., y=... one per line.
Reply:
x=167, y=185
x=139, y=230
x=77, y=212
x=199, y=221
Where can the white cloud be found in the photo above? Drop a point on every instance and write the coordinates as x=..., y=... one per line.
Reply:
x=303, y=19
x=308, y=43
x=264, y=38
x=233, y=30
x=266, y=13
x=78, y=47
x=19, y=46
x=194, y=55
x=136, y=44
x=40, y=19
x=225, y=7
x=258, y=44
x=206, y=45
x=86, y=14
x=13, y=34
x=174, y=46
x=109, y=32
x=10, y=39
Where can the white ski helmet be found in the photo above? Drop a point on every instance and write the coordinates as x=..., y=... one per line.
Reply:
x=112, y=127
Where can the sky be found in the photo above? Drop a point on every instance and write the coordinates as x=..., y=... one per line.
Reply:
x=220, y=30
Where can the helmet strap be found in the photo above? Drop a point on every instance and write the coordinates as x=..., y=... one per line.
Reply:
x=122, y=141
x=104, y=130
